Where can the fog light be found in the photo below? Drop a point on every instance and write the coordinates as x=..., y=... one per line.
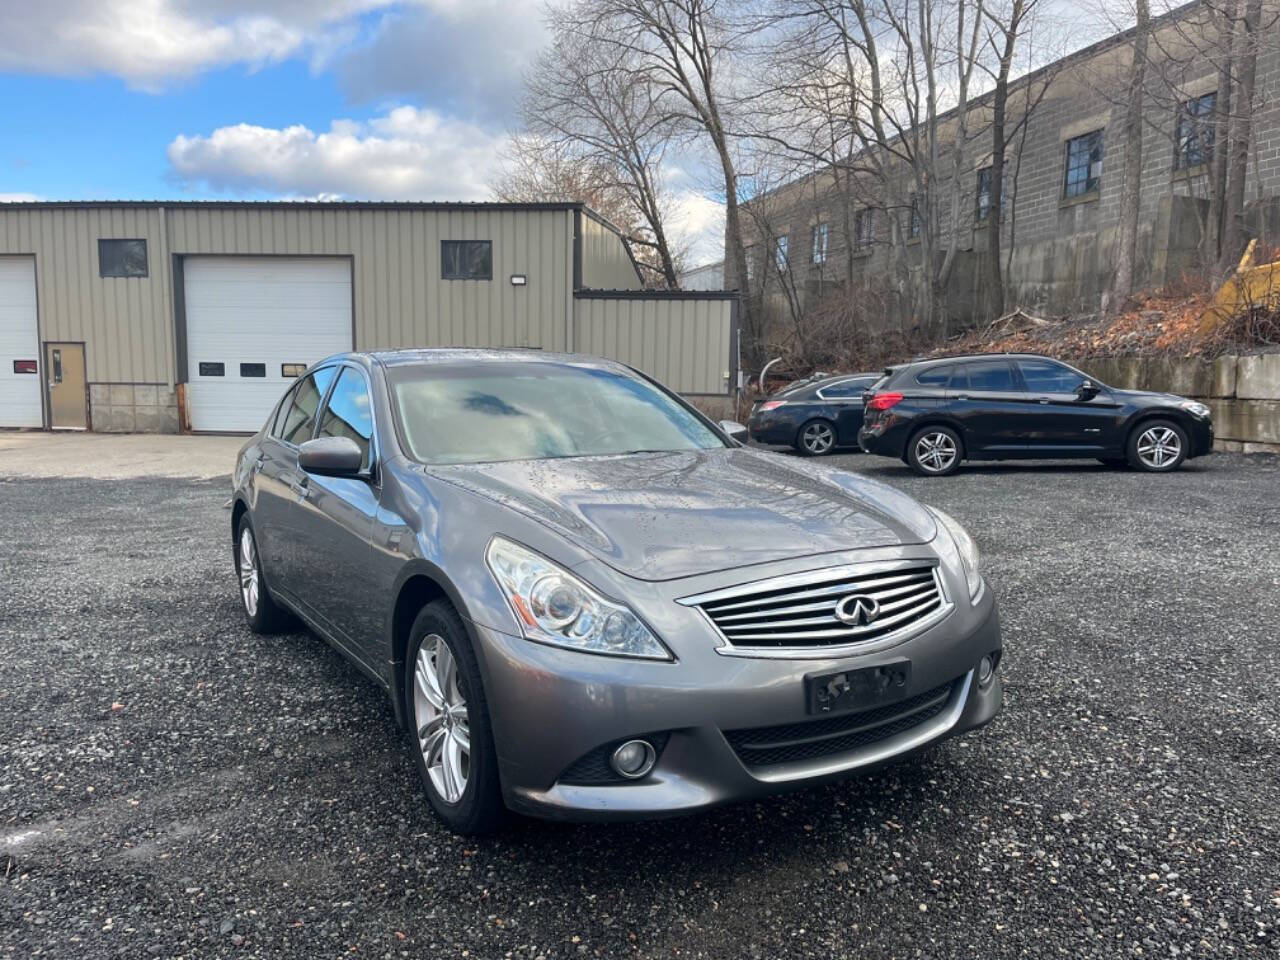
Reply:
x=986, y=668
x=634, y=759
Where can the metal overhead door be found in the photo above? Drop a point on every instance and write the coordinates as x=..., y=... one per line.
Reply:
x=19, y=344
x=253, y=324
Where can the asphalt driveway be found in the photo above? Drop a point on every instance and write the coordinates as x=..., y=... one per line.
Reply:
x=172, y=785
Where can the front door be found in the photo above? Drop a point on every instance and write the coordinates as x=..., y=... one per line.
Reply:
x=68, y=400
x=1064, y=423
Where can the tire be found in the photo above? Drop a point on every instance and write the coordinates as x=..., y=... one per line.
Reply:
x=1157, y=446
x=461, y=779
x=816, y=438
x=935, y=451
x=260, y=609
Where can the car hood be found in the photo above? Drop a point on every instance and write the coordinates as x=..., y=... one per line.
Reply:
x=661, y=516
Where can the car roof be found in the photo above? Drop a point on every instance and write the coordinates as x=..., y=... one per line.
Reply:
x=934, y=361
x=416, y=356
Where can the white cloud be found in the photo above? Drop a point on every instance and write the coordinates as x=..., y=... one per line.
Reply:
x=150, y=43
x=405, y=154
x=18, y=198
x=697, y=223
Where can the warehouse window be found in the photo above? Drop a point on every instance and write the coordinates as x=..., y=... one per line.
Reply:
x=466, y=259
x=780, y=246
x=253, y=369
x=211, y=369
x=820, y=234
x=983, y=201
x=1084, y=165
x=122, y=258
x=1195, y=131
x=913, y=224
x=862, y=225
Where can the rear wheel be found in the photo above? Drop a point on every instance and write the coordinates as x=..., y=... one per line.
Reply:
x=934, y=451
x=262, y=612
x=1157, y=446
x=446, y=705
x=816, y=438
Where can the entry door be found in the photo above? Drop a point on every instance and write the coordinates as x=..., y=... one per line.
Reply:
x=68, y=403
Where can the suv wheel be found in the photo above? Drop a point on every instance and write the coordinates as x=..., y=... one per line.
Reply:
x=1157, y=446
x=934, y=452
x=446, y=706
x=816, y=438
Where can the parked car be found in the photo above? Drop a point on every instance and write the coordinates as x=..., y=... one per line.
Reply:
x=585, y=600
x=813, y=415
x=935, y=413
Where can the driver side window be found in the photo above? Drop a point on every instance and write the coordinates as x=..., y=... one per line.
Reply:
x=1045, y=376
x=347, y=414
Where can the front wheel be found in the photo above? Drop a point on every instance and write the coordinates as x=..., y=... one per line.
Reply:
x=934, y=452
x=445, y=702
x=816, y=438
x=1157, y=446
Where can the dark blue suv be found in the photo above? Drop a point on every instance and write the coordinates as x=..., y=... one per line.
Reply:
x=935, y=413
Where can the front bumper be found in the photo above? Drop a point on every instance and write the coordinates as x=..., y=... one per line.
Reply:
x=552, y=707
x=1201, y=438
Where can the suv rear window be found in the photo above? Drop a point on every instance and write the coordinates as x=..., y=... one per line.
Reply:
x=934, y=376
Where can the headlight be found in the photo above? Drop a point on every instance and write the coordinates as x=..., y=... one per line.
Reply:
x=967, y=549
x=1195, y=408
x=553, y=606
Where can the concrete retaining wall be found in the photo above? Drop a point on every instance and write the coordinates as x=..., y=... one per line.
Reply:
x=1244, y=392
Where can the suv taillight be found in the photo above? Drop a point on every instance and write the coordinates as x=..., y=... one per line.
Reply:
x=883, y=401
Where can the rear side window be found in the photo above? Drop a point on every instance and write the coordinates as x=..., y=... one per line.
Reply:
x=845, y=389
x=934, y=376
x=347, y=413
x=987, y=375
x=1045, y=376
x=301, y=416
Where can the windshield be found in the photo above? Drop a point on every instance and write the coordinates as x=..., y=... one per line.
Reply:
x=485, y=412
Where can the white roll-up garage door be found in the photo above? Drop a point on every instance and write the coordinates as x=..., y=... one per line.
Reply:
x=252, y=323
x=20, y=362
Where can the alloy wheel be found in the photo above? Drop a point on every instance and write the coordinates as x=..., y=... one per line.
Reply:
x=818, y=438
x=440, y=712
x=1158, y=447
x=936, y=451
x=250, y=579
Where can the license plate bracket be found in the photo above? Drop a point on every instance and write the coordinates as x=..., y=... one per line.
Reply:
x=859, y=689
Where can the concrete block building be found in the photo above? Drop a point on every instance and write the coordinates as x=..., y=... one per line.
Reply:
x=155, y=316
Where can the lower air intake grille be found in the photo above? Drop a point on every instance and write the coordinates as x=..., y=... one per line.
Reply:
x=814, y=739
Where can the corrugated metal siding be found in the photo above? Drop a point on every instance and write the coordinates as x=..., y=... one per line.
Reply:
x=685, y=344
x=606, y=264
x=126, y=323
x=400, y=299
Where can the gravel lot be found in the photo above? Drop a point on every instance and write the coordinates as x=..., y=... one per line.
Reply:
x=172, y=785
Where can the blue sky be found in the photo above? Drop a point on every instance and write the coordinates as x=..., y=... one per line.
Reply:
x=267, y=99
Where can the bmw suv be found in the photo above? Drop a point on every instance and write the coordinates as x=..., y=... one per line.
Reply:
x=933, y=414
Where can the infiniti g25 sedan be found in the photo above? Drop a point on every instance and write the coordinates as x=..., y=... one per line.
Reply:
x=584, y=600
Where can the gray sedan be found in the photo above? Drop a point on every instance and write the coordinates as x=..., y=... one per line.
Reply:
x=586, y=601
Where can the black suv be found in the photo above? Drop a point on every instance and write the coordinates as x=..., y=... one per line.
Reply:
x=935, y=413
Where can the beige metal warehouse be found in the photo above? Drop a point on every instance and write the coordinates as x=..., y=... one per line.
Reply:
x=152, y=316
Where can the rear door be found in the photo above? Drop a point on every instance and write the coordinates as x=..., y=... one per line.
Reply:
x=1062, y=422
x=335, y=517
x=279, y=483
x=843, y=400
x=988, y=400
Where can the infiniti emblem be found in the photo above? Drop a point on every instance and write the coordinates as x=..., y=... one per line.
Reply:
x=857, y=610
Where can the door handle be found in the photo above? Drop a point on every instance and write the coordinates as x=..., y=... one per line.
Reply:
x=299, y=487
x=962, y=396
x=1042, y=399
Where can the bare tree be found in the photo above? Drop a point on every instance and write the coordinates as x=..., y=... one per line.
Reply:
x=1127, y=240
x=1245, y=69
x=580, y=98
x=680, y=49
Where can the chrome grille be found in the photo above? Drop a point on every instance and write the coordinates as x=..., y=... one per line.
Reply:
x=801, y=610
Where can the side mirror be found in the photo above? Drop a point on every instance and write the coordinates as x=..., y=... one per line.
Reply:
x=331, y=457
x=735, y=430
x=1087, y=390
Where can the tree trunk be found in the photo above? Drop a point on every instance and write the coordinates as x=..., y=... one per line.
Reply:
x=1131, y=193
x=735, y=261
x=995, y=271
x=1212, y=245
x=1246, y=58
